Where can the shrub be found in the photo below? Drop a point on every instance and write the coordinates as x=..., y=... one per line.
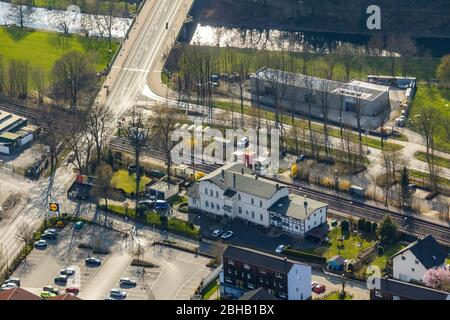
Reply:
x=199, y=175
x=344, y=185
x=368, y=226
x=304, y=256
x=345, y=226
x=374, y=227
x=361, y=222
x=294, y=171
x=327, y=182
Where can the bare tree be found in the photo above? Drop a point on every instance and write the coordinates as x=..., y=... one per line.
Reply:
x=20, y=12
x=18, y=78
x=73, y=73
x=137, y=130
x=25, y=234
x=102, y=188
x=51, y=133
x=99, y=121
x=39, y=78
x=105, y=19
x=163, y=123
x=63, y=21
x=426, y=124
x=3, y=75
x=244, y=69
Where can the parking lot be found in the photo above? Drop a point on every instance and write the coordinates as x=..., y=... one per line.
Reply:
x=176, y=275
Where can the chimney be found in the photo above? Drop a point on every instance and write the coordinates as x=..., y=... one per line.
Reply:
x=305, y=203
x=234, y=180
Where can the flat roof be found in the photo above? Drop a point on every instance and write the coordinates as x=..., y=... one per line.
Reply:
x=9, y=121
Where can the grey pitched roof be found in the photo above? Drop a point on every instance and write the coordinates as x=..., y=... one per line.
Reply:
x=240, y=178
x=411, y=291
x=257, y=294
x=258, y=258
x=428, y=251
x=294, y=206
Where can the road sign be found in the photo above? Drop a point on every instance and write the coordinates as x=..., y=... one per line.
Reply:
x=54, y=207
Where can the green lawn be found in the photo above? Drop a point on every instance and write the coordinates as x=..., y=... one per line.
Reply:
x=335, y=296
x=423, y=178
x=122, y=180
x=349, y=248
x=210, y=290
x=442, y=162
x=43, y=48
x=382, y=260
x=439, y=99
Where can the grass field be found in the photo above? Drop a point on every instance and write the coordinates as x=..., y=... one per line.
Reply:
x=442, y=162
x=43, y=48
x=439, y=99
x=349, y=249
x=382, y=260
x=122, y=180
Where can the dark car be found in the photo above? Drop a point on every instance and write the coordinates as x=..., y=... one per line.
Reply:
x=127, y=282
x=61, y=280
x=91, y=261
x=48, y=236
x=16, y=281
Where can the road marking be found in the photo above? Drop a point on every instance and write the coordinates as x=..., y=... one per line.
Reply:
x=132, y=69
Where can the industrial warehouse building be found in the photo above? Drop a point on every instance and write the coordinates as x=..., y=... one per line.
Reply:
x=15, y=132
x=295, y=92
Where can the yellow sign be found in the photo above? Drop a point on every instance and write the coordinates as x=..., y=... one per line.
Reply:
x=54, y=207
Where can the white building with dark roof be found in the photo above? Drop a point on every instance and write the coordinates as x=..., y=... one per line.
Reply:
x=235, y=191
x=412, y=262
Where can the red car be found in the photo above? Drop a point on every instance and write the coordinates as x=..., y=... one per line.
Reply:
x=318, y=289
x=74, y=290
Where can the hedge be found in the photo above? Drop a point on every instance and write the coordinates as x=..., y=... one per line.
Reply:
x=304, y=256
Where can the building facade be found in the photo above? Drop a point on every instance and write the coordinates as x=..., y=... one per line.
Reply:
x=236, y=192
x=246, y=269
x=411, y=263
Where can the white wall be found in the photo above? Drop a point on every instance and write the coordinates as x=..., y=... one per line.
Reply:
x=4, y=149
x=26, y=139
x=299, y=282
x=403, y=268
x=316, y=219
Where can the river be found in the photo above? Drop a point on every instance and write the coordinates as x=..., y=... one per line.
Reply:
x=51, y=20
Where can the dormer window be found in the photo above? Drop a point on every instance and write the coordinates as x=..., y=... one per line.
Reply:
x=253, y=201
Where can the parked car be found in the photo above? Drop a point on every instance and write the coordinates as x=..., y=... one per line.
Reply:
x=227, y=235
x=319, y=289
x=314, y=284
x=51, y=230
x=7, y=286
x=301, y=158
x=79, y=225
x=217, y=233
x=68, y=271
x=161, y=205
x=73, y=289
x=147, y=203
x=48, y=236
x=16, y=281
x=47, y=294
x=127, y=282
x=51, y=289
x=93, y=261
x=41, y=244
x=61, y=280
x=280, y=248
x=117, y=293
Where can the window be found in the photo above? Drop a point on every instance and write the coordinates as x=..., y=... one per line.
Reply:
x=230, y=262
x=378, y=294
x=417, y=262
x=396, y=298
x=412, y=269
x=262, y=271
x=253, y=215
x=278, y=275
x=211, y=192
x=315, y=222
x=239, y=196
x=246, y=266
x=253, y=201
x=217, y=206
x=217, y=194
x=261, y=217
x=212, y=205
x=246, y=212
x=206, y=204
x=206, y=191
x=249, y=276
x=260, y=203
x=251, y=285
x=240, y=210
x=403, y=258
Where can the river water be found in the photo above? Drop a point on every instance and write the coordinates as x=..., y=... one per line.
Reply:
x=50, y=20
x=277, y=40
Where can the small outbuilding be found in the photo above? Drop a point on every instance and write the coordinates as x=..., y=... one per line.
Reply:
x=336, y=263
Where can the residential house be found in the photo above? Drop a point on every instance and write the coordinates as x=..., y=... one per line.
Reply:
x=235, y=191
x=392, y=289
x=412, y=262
x=245, y=270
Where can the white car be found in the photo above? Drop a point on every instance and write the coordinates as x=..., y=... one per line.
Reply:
x=217, y=233
x=68, y=271
x=40, y=244
x=117, y=293
x=8, y=285
x=280, y=248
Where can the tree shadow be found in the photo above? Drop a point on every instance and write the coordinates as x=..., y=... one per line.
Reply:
x=17, y=34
